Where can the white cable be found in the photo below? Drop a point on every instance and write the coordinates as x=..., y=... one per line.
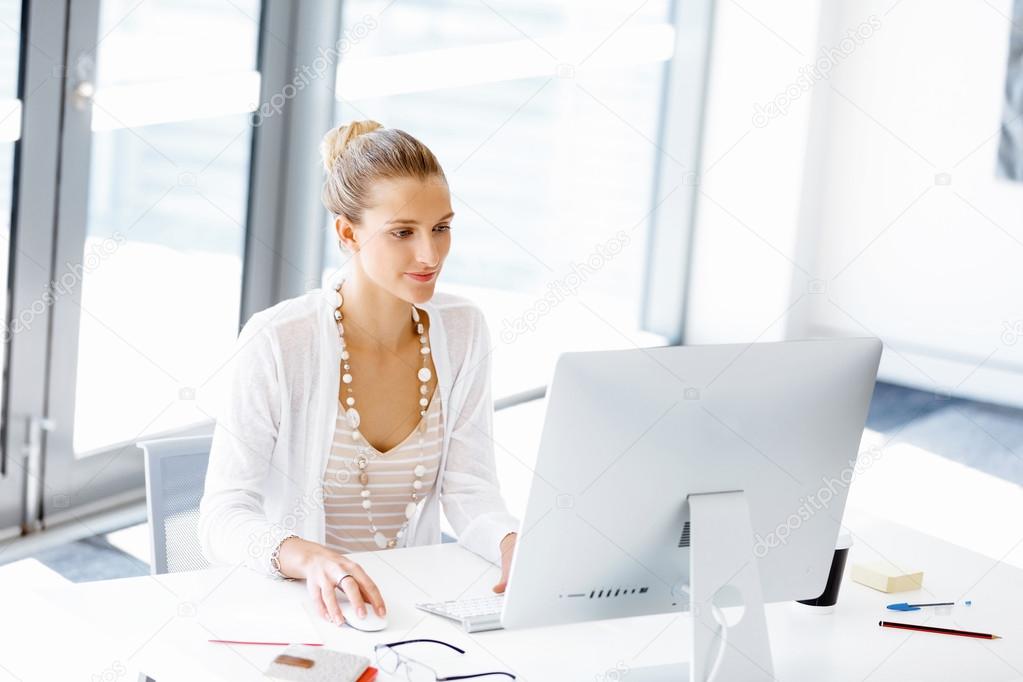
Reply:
x=723, y=635
x=719, y=616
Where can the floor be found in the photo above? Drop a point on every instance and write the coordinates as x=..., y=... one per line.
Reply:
x=94, y=558
x=987, y=437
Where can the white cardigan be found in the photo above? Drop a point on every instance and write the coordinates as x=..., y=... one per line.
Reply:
x=273, y=436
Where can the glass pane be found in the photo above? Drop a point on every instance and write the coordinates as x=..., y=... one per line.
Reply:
x=161, y=269
x=10, y=121
x=543, y=116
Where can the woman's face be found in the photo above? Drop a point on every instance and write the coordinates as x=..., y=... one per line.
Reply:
x=406, y=231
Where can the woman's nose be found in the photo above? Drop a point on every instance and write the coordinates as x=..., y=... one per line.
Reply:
x=427, y=254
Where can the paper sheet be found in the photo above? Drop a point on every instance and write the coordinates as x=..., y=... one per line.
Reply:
x=282, y=621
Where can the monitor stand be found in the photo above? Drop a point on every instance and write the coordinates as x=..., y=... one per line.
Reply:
x=722, y=572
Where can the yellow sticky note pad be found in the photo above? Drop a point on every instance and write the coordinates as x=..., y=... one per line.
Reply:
x=883, y=576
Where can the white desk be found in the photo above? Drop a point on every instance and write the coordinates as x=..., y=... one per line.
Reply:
x=155, y=624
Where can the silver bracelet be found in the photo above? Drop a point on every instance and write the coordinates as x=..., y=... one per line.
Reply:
x=275, y=558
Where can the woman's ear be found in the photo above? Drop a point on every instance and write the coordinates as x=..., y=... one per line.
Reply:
x=345, y=234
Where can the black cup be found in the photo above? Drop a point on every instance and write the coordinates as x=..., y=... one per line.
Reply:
x=829, y=597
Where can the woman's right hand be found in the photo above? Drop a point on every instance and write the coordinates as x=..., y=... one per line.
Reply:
x=321, y=568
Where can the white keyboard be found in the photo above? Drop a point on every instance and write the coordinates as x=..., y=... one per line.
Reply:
x=476, y=614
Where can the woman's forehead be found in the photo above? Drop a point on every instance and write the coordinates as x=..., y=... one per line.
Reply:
x=411, y=198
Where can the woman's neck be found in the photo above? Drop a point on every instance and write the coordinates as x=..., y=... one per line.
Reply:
x=374, y=318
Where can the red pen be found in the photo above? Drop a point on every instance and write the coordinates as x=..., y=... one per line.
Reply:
x=939, y=631
x=231, y=641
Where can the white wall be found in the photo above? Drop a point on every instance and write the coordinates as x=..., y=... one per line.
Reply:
x=932, y=268
x=849, y=184
x=750, y=185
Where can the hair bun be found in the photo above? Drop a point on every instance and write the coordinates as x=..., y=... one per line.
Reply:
x=337, y=140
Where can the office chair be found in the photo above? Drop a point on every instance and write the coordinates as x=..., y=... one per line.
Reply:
x=175, y=476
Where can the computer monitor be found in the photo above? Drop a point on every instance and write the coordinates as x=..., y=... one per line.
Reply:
x=683, y=477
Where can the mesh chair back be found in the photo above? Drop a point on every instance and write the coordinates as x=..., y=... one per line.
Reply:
x=175, y=475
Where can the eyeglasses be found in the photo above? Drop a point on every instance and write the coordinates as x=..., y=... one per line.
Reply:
x=390, y=661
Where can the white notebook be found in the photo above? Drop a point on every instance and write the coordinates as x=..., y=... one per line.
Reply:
x=278, y=621
x=316, y=664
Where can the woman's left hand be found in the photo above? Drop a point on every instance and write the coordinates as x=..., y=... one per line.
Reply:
x=507, y=549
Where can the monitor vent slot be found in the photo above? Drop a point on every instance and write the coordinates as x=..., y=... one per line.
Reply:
x=683, y=541
x=604, y=593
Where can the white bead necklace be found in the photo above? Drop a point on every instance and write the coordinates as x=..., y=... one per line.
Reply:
x=352, y=415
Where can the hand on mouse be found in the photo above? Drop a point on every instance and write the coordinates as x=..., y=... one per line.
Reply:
x=322, y=568
x=507, y=550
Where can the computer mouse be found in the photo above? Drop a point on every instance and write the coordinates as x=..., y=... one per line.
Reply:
x=371, y=622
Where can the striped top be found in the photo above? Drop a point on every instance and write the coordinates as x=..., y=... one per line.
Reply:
x=390, y=482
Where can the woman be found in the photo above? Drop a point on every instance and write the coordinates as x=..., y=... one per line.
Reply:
x=356, y=410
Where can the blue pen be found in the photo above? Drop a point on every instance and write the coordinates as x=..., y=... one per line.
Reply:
x=903, y=606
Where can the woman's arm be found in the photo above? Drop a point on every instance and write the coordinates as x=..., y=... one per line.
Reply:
x=470, y=492
x=233, y=526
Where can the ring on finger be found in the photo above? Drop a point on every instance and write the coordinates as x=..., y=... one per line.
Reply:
x=341, y=579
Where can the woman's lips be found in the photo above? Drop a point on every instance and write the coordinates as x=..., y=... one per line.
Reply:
x=421, y=278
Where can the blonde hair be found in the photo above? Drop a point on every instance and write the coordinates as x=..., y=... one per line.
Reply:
x=358, y=154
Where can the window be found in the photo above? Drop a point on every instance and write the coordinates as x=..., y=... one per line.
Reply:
x=544, y=116
x=10, y=121
x=165, y=220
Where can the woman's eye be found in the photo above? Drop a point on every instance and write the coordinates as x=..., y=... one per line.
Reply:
x=402, y=234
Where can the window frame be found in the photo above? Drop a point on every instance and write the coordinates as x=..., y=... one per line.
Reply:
x=283, y=248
